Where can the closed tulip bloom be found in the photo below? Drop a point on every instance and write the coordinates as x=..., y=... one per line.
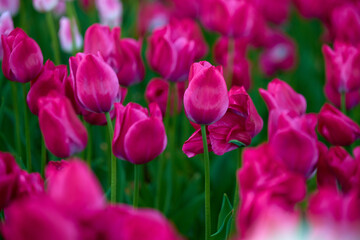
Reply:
x=11, y=6
x=63, y=132
x=174, y=47
x=317, y=9
x=135, y=129
x=6, y=26
x=96, y=84
x=233, y=18
x=281, y=96
x=9, y=172
x=45, y=5
x=49, y=80
x=206, y=99
x=341, y=65
x=336, y=127
x=30, y=184
x=23, y=59
x=65, y=35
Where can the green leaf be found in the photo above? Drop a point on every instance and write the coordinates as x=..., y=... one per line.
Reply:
x=238, y=143
x=224, y=220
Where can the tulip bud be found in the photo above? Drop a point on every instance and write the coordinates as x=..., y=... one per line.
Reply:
x=110, y=12
x=173, y=48
x=96, y=84
x=63, y=132
x=23, y=59
x=135, y=130
x=11, y=6
x=45, y=5
x=66, y=35
x=49, y=80
x=6, y=26
x=352, y=98
x=336, y=127
x=9, y=171
x=281, y=96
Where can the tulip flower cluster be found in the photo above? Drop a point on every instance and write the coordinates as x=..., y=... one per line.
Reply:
x=176, y=107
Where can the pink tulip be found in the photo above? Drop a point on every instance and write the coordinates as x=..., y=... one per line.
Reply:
x=96, y=84
x=9, y=171
x=240, y=65
x=30, y=184
x=135, y=130
x=173, y=48
x=233, y=18
x=53, y=167
x=279, y=53
x=352, y=99
x=187, y=8
x=110, y=12
x=317, y=9
x=11, y=6
x=152, y=15
x=86, y=4
x=6, y=26
x=345, y=23
x=65, y=35
x=281, y=96
x=336, y=127
x=275, y=11
x=45, y=5
x=49, y=80
x=66, y=188
x=123, y=55
x=206, y=99
x=63, y=132
x=23, y=59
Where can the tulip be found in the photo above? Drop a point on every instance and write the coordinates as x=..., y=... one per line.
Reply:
x=96, y=84
x=9, y=171
x=275, y=11
x=23, y=59
x=187, y=8
x=110, y=12
x=281, y=96
x=317, y=9
x=6, y=26
x=30, y=184
x=49, y=80
x=123, y=55
x=10, y=5
x=233, y=18
x=173, y=48
x=45, y=5
x=336, y=127
x=352, y=99
x=60, y=8
x=279, y=53
x=65, y=35
x=151, y=16
x=135, y=130
x=206, y=99
x=63, y=132
x=345, y=23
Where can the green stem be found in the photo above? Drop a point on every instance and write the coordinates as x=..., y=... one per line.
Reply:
x=230, y=62
x=207, y=184
x=43, y=156
x=236, y=193
x=136, y=185
x=17, y=118
x=343, y=103
x=113, y=160
x=27, y=132
x=54, y=38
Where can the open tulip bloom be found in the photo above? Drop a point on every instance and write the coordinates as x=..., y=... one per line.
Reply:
x=107, y=114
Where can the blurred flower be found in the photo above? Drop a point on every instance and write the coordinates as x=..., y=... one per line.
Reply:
x=174, y=47
x=152, y=15
x=6, y=26
x=123, y=55
x=45, y=5
x=336, y=127
x=317, y=9
x=206, y=99
x=275, y=11
x=110, y=12
x=86, y=4
x=96, y=84
x=60, y=8
x=135, y=130
x=23, y=58
x=49, y=80
x=63, y=132
x=66, y=35
x=187, y=8
x=9, y=5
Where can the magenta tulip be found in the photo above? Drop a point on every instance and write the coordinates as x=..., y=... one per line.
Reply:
x=352, y=99
x=336, y=127
x=275, y=11
x=206, y=99
x=317, y=9
x=187, y=8
x=96, y=84
x=135, y=130
x=9, y=172
x=281, y=96
x=152, y=15
x=174, y=47
x=6, y=26
x=49, y=80
x=23, y=59
x=63, y=132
